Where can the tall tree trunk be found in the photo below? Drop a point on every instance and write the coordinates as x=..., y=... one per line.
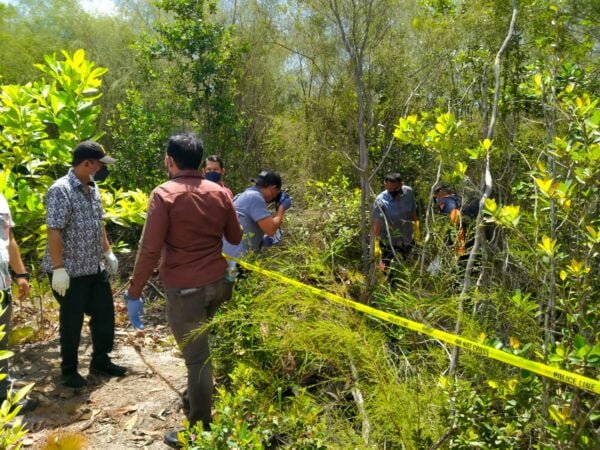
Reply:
x=550, y=311
x=363, y=166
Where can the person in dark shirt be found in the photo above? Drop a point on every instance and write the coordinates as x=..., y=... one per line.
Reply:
x=462, y=216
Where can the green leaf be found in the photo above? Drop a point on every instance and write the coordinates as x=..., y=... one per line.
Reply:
x=579, y=341
x=555, y=414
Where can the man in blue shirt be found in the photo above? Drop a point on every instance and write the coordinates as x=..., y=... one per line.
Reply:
x=393, y=215
x=254, y=216
x=462, y=217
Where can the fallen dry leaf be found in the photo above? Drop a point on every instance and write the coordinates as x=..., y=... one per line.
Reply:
x=131, y=422
x=150, y=433
x=124, y=410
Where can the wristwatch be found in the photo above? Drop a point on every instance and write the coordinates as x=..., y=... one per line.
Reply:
x=23, y=275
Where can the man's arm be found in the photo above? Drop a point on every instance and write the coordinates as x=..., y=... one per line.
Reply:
x=151, y=245
x=58, y=213
x=376, y=228
x=377, y=218
x=269, y=225
x=55, y=248
x=14, y=257
x=414, y=206
x=105, y=241
x=233, y=230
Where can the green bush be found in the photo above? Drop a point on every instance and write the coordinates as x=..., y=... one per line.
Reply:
x=41, y=123
x=247, y=417
x=12, y=430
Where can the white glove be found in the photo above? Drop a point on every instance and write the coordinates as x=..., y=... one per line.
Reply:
x=60, y=281
x=112, y=263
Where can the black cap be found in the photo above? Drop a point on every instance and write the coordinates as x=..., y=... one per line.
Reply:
x=442, y=187
x=268, y=178
x=91, y=150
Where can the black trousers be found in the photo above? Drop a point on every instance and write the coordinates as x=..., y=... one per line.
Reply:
x=388, y=254
x=90, y=295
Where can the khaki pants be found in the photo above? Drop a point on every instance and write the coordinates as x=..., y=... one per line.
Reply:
x=188, y=310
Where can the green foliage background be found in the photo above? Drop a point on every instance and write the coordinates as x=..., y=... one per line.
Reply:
x=269, y=84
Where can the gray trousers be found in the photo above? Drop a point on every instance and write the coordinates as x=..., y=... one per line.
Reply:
x=188, y=310
x=5, y=320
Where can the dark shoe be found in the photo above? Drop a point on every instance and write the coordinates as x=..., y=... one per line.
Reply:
x=26, y=404
x=110, y=369
x=73, y=380
x=171, y=439
x=185, y=400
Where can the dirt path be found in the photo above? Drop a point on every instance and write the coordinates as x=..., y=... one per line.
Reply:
x=130, y=412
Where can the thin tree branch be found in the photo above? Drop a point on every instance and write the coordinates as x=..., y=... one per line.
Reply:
x=479, y=234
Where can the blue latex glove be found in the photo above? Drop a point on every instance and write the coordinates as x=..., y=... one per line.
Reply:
x=286, y=200
x=135, y=309
x=267, y=241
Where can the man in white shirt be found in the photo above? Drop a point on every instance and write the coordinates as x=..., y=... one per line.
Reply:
x=10, y=257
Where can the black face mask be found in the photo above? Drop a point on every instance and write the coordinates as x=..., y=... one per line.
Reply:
x=215, y=177
x=101, y=175
x=394, y=194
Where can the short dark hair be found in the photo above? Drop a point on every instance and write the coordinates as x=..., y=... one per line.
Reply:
x=186, y=150
x=393, y=178
x=214, y=158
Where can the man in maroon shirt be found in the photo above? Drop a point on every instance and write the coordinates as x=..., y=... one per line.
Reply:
x=187, y=220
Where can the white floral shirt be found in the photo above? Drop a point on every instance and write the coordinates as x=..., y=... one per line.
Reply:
x=5, y=226
x=78, y=215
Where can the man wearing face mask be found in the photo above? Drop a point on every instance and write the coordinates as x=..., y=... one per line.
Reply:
x=213, y=170
x=255, y=217
x=78, y=260
x=393, y=216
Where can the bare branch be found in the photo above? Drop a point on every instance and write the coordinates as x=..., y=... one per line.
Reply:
x=488, y=180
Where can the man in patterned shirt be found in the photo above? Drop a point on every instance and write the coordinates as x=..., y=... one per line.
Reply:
x=77, y=242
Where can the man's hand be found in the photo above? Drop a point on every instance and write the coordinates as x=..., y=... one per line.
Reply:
x=286, y=201
x=60, y=281
x=23, y=284
x=135, y=309
x=112, y=263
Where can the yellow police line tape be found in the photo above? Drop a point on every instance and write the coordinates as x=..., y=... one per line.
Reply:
x=563, y=376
